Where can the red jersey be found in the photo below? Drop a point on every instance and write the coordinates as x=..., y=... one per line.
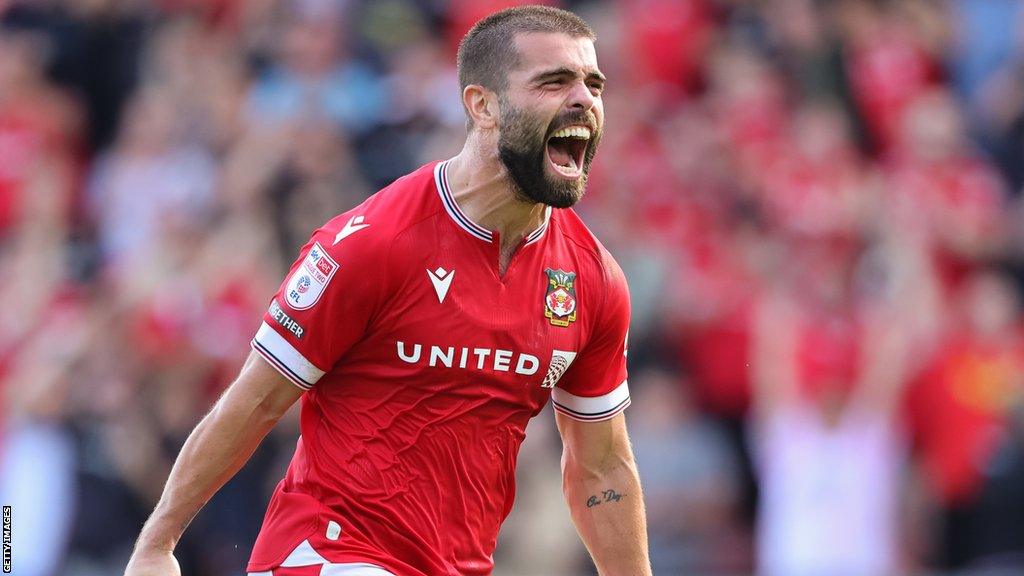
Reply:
x=423, y=366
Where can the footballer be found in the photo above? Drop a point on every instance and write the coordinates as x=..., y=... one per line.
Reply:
x=422, y=330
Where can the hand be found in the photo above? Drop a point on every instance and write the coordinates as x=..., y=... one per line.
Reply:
x=150, y=562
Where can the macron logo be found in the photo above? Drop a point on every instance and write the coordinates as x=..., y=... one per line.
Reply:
x=442, y=280
x=354, y=224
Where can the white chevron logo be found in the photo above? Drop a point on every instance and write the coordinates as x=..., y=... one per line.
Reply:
x=442, y=280
x=354, y=224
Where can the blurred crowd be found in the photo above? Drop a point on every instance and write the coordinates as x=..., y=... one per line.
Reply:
x=817, y=204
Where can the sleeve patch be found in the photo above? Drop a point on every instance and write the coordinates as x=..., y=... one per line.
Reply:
x=285, y=358
x=591, y=409
x=310, y=279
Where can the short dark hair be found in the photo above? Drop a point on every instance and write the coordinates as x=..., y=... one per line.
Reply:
x=487, y=52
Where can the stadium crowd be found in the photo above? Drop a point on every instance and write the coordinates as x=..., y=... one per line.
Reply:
x=816, y=202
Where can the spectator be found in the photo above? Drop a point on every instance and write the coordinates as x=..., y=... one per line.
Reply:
x=962, y=407
x=690, y=480
x=828, y=448
x=314, y=79
x=152, y=178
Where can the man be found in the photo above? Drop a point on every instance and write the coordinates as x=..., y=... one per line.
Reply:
x=424, y=328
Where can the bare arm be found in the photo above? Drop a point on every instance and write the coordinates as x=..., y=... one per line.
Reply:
x=898, y=326
x=774, y=345
x=217, y=448
x=602, y=488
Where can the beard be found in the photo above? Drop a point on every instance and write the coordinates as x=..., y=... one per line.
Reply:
x=522, y=147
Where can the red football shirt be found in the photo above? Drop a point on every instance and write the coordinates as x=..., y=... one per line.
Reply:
x=423, y=366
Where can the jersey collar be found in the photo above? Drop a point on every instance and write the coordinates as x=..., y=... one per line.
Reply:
x=463, y=221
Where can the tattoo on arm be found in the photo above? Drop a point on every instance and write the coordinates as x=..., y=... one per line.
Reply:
x=609, y=495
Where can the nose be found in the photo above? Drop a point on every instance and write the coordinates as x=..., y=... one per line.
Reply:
x=581, y=98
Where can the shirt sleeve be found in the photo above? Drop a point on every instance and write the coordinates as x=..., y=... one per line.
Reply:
x=594, y=387
x=323, y=307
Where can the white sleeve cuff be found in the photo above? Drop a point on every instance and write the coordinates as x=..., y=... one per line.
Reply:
x=591, y=409
x=285, y=358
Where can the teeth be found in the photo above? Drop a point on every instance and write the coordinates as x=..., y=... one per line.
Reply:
x=573, y=132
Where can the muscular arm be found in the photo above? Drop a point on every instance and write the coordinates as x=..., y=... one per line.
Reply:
x=217, y=448
x=602, y=488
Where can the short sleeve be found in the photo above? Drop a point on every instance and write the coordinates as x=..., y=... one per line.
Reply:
x=594, y=387
x=324, y=304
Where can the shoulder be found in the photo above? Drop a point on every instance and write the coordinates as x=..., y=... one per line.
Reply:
x=370, y=228
x=582, y=240
x=354, y=248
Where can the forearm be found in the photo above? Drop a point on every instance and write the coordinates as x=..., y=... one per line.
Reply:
x=608, y=510
x=217, y=448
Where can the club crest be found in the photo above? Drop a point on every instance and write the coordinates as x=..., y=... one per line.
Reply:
x=560, y=298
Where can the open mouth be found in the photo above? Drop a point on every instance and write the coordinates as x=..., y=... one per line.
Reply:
x=566, y=148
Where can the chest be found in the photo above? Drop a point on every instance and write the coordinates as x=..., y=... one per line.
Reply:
x=453, y=322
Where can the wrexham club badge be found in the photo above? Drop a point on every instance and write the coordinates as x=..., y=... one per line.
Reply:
x=560, y=299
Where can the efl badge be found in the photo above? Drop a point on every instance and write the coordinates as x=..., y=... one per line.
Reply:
x=560, y=299
x=310, y=278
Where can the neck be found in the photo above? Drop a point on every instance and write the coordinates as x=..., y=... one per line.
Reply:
x=483, y=189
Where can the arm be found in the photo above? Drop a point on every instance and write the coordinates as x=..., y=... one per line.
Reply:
x=883, y=367
x=602, y=488
x=217, y=448
x=773, y=371
x=899, y=326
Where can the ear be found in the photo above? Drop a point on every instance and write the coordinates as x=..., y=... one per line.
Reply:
x=481, y=105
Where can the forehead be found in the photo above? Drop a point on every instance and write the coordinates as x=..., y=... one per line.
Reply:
x=539, y=51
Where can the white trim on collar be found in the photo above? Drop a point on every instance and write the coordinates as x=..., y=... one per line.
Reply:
x=539, y=232
x=460, y=218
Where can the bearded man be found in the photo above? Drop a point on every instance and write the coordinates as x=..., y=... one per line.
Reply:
x=424, y=328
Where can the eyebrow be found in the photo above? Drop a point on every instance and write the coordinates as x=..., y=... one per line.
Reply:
x=563, y=72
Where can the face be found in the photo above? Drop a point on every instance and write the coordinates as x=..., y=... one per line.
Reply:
x=551, y=118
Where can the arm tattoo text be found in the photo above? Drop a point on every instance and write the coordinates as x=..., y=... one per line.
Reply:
x=606, y=496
